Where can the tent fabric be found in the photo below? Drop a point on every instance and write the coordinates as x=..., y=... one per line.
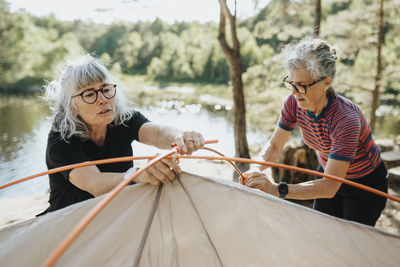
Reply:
x=198, y=221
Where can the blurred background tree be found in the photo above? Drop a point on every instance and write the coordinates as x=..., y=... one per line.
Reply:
x=227, y=32
x=31, y=48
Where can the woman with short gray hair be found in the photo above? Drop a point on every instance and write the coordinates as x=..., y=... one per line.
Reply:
x=333, y=126
x=92, y=121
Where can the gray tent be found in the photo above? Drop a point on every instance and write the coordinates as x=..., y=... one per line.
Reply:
x=198, y=222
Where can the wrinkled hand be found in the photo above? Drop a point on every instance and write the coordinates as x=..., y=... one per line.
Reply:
x=189, y=142
x=246, y=175
x=163, y=171
x=259, y=180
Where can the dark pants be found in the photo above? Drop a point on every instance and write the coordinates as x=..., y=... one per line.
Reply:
x=354, y=204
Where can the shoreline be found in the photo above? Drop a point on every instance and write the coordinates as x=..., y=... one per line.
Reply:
x=19, y=209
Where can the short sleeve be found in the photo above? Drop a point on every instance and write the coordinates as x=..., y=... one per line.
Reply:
x=345, y=137
x=130, y=128
x=288, y=117
x=60, y=153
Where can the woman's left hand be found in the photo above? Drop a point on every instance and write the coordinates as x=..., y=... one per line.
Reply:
x=163, y=171
x=189, y=142
x=259, y=180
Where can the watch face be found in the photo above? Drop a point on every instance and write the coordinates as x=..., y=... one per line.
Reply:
x=283, y=188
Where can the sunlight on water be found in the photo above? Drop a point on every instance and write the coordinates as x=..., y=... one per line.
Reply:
x=23, y=132
x=24, y=125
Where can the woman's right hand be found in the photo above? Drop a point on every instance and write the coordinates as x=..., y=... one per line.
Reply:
x=248, y=174
x=163, y=171
x=259, y=180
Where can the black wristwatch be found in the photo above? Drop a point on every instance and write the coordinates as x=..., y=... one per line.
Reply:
x=283, y=189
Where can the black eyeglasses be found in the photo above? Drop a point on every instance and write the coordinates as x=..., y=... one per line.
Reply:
x=90, y=95
x=300, y=88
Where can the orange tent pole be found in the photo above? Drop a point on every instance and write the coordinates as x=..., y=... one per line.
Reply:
x=93, y=213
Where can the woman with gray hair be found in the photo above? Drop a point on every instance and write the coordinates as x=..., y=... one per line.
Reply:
x=93, y=121
x=333, y=126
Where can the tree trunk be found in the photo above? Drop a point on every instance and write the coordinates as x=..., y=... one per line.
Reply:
x=233, y=58
x=317, y=18
x=375, y=94
x=299, y=156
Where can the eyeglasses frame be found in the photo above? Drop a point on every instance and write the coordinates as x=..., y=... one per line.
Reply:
x=97, y=92
x=305, y=87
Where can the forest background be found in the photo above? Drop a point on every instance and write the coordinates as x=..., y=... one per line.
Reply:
x=188, y=53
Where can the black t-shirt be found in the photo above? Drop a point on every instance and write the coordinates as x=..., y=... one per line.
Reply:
x=60, y=153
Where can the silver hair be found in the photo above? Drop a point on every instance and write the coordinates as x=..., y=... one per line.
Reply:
x=79, y=73
x=314, y=55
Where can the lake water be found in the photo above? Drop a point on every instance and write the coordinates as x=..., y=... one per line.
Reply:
x=24, y=125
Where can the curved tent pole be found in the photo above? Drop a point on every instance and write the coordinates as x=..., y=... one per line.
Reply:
x=93, y=212
x=74, y=166
x=80, y=227
x=249, y=161
x=233, y=165
x=85, y=164
x=52, y=259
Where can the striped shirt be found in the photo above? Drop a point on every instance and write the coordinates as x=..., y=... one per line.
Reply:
x=339, y=132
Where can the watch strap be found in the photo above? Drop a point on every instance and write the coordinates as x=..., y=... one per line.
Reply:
x=283, y=189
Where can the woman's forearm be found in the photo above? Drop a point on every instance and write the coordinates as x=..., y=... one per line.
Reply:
x=322, y=188
x=91, y=180
x=109, y=180
x=274, y=148
x=166, y=137
x=270, y=153
x=157, y=135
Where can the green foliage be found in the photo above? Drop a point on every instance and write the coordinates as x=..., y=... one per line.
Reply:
x=30, y=52
x=31, y=47
x=109, y=41
x=352, y=27
x=158, y=26
x=128, y=50
x=335, y=6
x=7, y=36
